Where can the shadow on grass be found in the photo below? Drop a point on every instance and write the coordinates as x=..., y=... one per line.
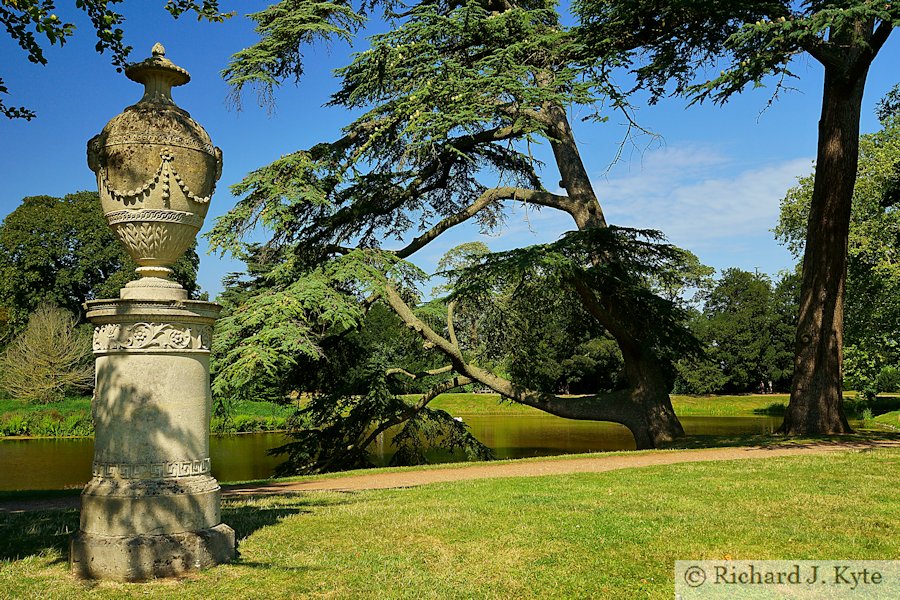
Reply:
x=862, y=440
x=776, y=409
x=22, y=495
x=39, y=533
x=36, y=533
x=853, y=407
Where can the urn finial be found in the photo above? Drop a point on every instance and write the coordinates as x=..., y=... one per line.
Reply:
x=159, y=75
x=156, y=173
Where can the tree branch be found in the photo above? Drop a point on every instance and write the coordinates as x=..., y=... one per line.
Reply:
x=614, y=407
x=542, y=198
x=822, y=52
x=434, y=392
x=592, y=305
x=441, y=388
x=419, y=375
x=388, y=203
x=879, y=37
x=451, y=330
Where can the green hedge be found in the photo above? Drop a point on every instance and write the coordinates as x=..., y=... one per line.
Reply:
x=72, y=417
x=49, y=424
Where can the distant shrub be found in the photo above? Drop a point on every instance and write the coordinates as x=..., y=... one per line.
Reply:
x=50, y=358
x=867, y=417
x=79, y=425
x=888, y=379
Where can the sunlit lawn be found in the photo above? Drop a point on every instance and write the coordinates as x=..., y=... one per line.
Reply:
x=605, y=535
x=744, y=405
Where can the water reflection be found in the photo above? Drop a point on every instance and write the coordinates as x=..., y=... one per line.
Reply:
x=57, y=463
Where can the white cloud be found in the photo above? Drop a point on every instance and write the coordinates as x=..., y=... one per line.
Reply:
x=699, y=197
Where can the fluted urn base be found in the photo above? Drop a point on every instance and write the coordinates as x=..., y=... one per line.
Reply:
x=144, y=557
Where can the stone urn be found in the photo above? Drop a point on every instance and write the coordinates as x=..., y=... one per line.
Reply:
x=156, y=172
x=152, y=506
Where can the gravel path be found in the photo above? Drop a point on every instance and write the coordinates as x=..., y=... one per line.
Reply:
x=531, y=468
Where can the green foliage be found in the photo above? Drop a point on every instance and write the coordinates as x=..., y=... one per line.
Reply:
x=51, y=423
x=668, y=45
x=247, y=424
x=72, y=417
x=888, y=379
x=337, y=427
x=313, y=333
x=451, y=94
x=699, y=376
x=595, y=365
x=61, y=250
x=889, y=106
x=27, y=21
x=747, y=327
x=560, y=348
x=451, y=99
x=282, y=317
x=14, y=425
x=633, y=258
x=284, y=28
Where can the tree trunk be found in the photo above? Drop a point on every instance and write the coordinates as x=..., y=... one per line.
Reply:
x=650, y=391
x=652, y=419
x=816, y=405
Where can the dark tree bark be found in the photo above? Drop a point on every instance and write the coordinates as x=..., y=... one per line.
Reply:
x=816, y=404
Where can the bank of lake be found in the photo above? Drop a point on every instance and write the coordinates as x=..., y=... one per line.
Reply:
x=72, y=416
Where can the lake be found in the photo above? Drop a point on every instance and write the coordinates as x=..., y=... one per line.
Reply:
x=52, y=463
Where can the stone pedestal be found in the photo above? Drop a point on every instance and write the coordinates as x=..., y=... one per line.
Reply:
x=152, y=506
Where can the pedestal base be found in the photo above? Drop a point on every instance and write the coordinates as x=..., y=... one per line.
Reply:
x=143, y=557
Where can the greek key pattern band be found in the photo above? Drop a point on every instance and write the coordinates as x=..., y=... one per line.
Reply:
x=178, y=468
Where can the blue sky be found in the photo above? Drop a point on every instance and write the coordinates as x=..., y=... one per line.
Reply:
x=712, y=182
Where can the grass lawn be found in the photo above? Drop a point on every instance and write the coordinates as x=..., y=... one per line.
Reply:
x=72, y=404
x=604, y=535
x=891, y=419
x=711, y=406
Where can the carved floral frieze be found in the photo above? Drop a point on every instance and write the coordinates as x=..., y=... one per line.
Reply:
x=147, y=336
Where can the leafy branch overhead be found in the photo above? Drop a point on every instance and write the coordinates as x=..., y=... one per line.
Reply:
x=635, y=262
x=453, y=99
x=33, y=23
x=674, y=43
x=284, y=28
x=266, y=334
